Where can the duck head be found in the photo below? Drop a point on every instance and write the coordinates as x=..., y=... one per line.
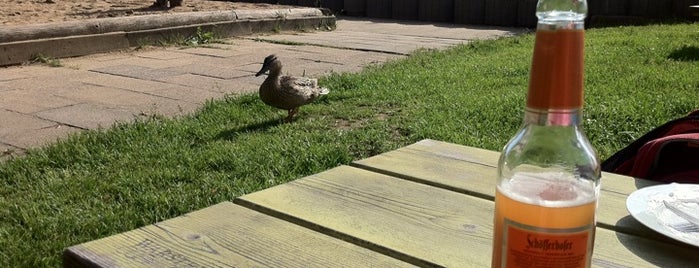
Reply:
x=271, y=63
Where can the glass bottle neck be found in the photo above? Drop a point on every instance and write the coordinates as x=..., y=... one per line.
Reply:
x=556, y=78
x=572, y=117
x=563, y=24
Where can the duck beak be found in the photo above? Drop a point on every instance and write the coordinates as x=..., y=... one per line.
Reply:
x=263, y=70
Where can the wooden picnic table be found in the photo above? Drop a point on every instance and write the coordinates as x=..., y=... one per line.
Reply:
x=427, y=204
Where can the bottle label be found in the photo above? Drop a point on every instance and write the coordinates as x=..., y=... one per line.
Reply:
x=531, y=246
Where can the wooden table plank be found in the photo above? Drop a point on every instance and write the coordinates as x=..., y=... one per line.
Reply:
x=473, y=171
x=224, y=235
x=416, y=223
x=458, y=168
x=424, y=225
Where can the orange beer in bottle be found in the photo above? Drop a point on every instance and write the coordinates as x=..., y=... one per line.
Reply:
x=548, y=174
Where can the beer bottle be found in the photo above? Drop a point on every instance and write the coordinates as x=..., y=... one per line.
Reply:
x=548, y=174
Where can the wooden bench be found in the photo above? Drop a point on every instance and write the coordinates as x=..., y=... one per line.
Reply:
x=428, y=204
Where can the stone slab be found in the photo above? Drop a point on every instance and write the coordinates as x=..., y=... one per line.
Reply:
x=88, y=115
x=4, y=86
x=138, y=103
x=15, y=127
x=164, y=107
x=32, y=101
x=210, y=70
x=8, y=152
x=41, y=137
x=188, y=94
x=209, y=52
x=109, y=96
x=95, y=61
x=138, y=72
x=151, y=57
x=14, y=122
x=160, y=54
x=48, y=79
x=387, y=43
x=123, y=82
x=10, y=74
x=381, y=35
x=426, y=29
x=204, y=82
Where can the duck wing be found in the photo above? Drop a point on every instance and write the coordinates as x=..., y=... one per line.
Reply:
x=301, y=89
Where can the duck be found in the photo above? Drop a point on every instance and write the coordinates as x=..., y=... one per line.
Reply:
x=287, y=92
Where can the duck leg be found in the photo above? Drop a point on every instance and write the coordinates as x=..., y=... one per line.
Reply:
x=292, y=112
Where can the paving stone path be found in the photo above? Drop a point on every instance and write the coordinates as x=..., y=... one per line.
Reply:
x=40, y=104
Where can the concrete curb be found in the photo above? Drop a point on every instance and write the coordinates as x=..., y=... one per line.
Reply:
x=19, y=44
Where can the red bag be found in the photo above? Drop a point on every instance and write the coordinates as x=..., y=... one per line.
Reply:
x=669, y=153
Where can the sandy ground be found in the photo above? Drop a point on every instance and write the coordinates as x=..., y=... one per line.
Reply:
x=22, y=12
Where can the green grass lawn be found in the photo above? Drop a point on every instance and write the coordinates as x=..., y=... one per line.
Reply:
x=105, y=182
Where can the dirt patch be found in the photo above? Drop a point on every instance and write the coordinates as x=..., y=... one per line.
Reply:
x=22, y=12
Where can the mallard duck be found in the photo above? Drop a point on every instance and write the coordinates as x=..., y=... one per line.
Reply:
x=287, y=92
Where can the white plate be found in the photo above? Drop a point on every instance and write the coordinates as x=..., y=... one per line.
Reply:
x=646, y=205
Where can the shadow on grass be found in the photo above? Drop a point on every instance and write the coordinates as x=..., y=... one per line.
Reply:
x=231, y=134
x=686, y=53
